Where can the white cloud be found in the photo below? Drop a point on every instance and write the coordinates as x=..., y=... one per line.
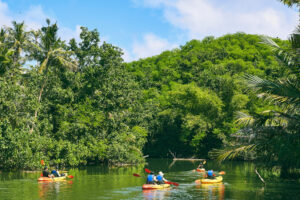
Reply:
x=203, y=17
x=5, y=19
x=150, y=46
x=66, y=33
x=127, y=55
x=35, y=18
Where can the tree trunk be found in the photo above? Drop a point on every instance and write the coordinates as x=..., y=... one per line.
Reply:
x=37, y=109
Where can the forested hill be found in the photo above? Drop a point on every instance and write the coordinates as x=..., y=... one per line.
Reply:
x=82, y=104
x=194, y=92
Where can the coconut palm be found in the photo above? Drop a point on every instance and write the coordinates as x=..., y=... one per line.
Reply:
x=273, y=136
x=50, y=54
x=18, y=40
x=5, y=53
x=290, y=2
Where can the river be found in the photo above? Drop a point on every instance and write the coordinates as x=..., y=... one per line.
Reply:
x=103, y=182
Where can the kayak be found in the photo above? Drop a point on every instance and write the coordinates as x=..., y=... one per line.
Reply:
x=209, y=181
x=55, y=179
x=154, y=186
x=200, y=170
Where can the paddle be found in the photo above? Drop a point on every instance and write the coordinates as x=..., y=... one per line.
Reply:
x=137, y=175
x=222, y=173
x=168, y=182
x=42, y=163
x=172, y=183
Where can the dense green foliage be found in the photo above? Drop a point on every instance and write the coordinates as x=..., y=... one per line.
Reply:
x=196, y=90
x=78, y=102
x=273, y=135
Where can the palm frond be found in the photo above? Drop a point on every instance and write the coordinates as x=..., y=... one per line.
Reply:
x=232, y=153
x=284, y=93
x=44, y=64
x=284, y=55
x=244, y=119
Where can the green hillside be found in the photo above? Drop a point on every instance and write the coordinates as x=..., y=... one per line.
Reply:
x=193, y=92
x=79, y=103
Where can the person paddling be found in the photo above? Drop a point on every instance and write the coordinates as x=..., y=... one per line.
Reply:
x=55, y=172
x=210, y=174
x=46, y=173
x=200, y=167
x=160, y=178
x=151, y=179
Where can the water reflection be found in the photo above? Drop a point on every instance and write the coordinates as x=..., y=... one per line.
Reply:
x=212, y=191
x=156, y=194
x=103, y=182
x=51, y=189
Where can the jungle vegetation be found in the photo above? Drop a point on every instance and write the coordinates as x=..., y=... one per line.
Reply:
x=72, y=103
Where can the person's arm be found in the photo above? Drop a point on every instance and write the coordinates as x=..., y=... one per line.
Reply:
x=154, y=178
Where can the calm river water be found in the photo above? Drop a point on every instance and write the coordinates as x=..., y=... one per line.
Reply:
x=102, y=182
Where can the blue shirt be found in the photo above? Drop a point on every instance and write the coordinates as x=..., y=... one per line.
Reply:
x=150, y=177
x=159, y=178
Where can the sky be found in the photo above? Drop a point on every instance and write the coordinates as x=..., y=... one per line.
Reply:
x=144, y=28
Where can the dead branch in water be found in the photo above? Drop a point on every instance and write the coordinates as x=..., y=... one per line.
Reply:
x=260, y=177
x=174, y=156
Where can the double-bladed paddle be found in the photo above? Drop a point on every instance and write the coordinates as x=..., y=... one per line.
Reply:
x=172, y=183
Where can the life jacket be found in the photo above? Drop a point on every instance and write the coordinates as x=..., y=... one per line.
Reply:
x=210, y=173
x=159, y=178
x=150, y=178
x=54, y=172
x=45, y=173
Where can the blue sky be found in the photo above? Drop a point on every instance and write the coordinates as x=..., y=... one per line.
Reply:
x=145, y=28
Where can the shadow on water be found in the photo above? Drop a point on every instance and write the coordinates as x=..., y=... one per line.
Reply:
x=103, y=182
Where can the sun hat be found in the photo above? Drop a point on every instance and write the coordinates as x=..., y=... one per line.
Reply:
x=160, y=173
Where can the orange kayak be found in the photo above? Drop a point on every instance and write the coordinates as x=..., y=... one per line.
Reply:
x=200, y=170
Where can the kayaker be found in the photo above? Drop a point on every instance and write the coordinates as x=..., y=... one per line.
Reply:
x=46, y=173
x=55, y=172
x=151, y=179
x=160, y=178
x=201, y=166
x=210, y=174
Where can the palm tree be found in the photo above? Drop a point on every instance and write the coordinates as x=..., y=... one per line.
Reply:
x=50, y=54
x=290, y=2
x=19, y=39
x=5, y=53
x=273, y=135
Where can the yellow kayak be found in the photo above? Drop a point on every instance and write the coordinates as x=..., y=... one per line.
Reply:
x=209, y=181
x=154, y=186
x=55, y=179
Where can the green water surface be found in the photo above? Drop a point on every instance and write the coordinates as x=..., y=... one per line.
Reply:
x=103, y=182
